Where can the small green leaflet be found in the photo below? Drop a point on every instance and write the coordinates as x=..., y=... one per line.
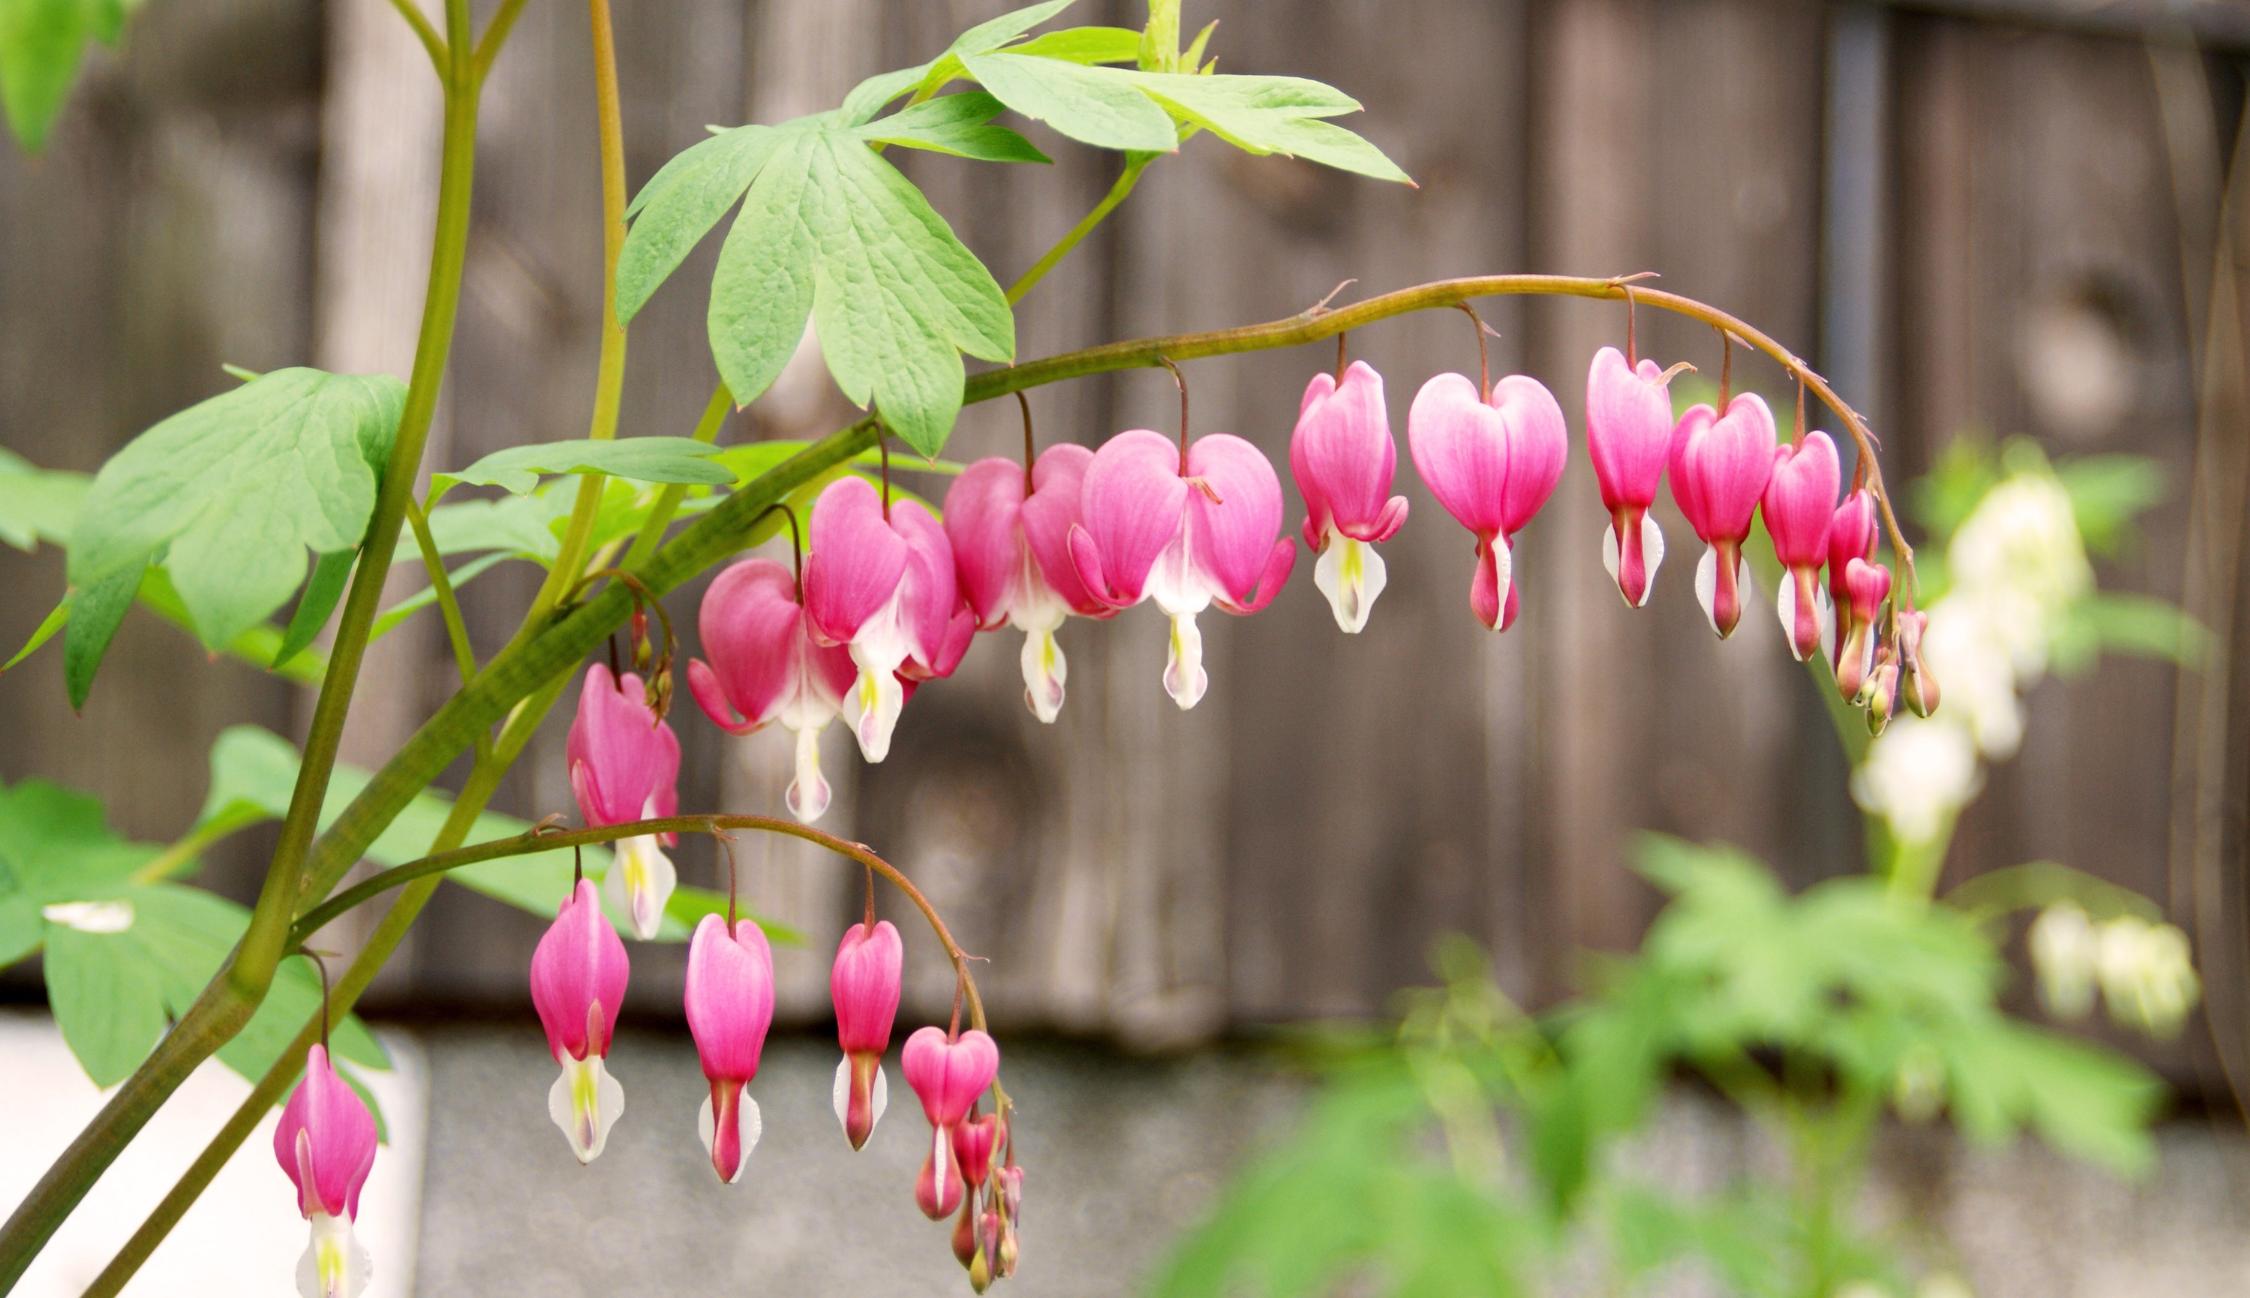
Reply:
x=42, y=43
x=37, y=504
x=518, y=469
x=233, y=491
x=954, y=124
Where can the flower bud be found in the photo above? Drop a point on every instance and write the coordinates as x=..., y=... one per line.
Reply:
x=864, y=983
x=973, y=1144
x=729, y=1002
x=1917, y=685
x=624, y=765
x=937, y=1189
x=578, y=977
x=326, y=1143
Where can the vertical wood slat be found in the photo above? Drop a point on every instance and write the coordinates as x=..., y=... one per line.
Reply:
x=2039, y=293
x=1663, y=139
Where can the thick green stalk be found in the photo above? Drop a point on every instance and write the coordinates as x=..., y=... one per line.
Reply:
x=476, y=791
x=234, y=996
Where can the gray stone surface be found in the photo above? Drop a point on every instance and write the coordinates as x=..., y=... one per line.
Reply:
x=1121, y=1153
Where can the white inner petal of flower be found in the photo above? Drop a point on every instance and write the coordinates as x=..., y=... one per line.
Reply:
x=1351, y=574
x=808, y=794
x=1184, y=677
x=335, y=1264
x=640, y=883
x=1044, y=672
x=585, y=1102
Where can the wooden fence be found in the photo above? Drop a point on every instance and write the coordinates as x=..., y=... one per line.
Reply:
x=1972, y=220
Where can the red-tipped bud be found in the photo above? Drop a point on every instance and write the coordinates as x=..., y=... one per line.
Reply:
x=965, y=1234
x=1916, y=685
x=1866, y=586
x=985, y=1267
x=937, y=1191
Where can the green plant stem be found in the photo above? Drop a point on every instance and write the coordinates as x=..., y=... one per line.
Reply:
x=609, y=376
x=483, y=779
x=234, y=994
x=660, y=514
x=552, y=646
x=495, y=36
x=1135, y=164
x=182, y=854
x=441, y=584
x=432, y=43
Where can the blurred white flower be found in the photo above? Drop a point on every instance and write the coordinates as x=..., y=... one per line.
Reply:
x=2064, y=950
x=1966, y=651
x=1944, y=1284
x=2022, y=537
x=1917, y=775
x=2147, y=977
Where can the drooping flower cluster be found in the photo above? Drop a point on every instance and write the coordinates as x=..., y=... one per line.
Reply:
x=890, y=597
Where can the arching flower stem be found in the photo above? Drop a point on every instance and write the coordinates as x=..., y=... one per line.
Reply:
x=546, y=838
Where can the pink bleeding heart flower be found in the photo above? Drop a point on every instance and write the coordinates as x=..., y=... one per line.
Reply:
x=1492, y=463
x=1628, y=435
x=1011, y=551
x=1852, y=534
x=1799, y=503
x=326, y=1143
x=1719, y=465
x=883, y=585
x=1342, y=457
x=766, y=666
x=947, y=1074
x=578, y=976
x=729, y=1007
x=625, y=766
x=1866, y=586
x=864, y=983
x=1187, y=531
x=1011, y=1215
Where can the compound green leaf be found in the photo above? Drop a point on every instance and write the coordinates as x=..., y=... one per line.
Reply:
x=956, y=125
x=234, y=490
x=680, y=204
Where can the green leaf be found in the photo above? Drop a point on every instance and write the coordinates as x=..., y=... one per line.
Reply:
x=108, y=999
x=1085, y=45
x=234, y=491
x=58, y=847
x=55, y=620
x=37, y=504
x=97, y=610
x=42, y=43
x=22, y=928
x=954, y=124
x=518, y=469
x=2139, y=626
x=2107, y=493
x=681, y=203
x=870, y=96
x=1093, y=105
x=833, y=231
x=1272, y=115
x=330, y=574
